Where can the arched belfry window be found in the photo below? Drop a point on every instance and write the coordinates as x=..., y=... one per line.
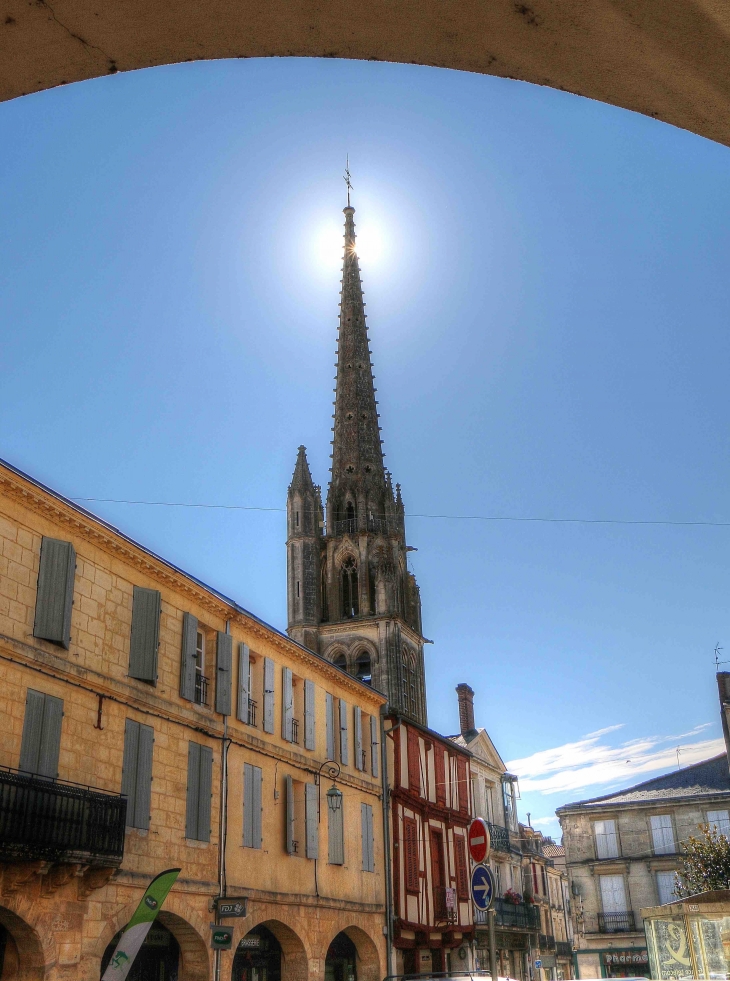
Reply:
x=363, y=668
x=350, y=518
x=350, y=607
x=410, y=700
x=340, y=661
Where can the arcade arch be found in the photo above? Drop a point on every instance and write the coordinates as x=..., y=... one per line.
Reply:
x=270, y=951
x=21, y=951
x=352, y=956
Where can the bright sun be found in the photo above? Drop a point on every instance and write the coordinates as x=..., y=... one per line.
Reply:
x=328, y=245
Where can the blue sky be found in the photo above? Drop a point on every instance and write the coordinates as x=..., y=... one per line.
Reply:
x=547, y=290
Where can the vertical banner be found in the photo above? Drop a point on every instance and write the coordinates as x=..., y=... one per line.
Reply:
x=139, y=926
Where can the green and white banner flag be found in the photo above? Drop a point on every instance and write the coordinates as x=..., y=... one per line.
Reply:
x=139, y=926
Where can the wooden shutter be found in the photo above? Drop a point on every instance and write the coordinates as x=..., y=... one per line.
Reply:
x=440, y=771
x=248, y=805
x=462, y=875
x=145, y=634
x=244, y=669
x=41, y=740
x=187, y=656
x=310, y=820
x=137, y=773
x=462, y=784
x=223, y=661
x=410, y=842
x=205, y=789
x=309, y=731
x=287, y=705
x=414, y=761
x=359, y=754
x=54, y=598
x=368, y=845
x=256, y=805
x=289, y=786
x=129, y=768
x=268, y=695
x=374, y=746
x=344, y=750
x=330, y=721
x=335, y=835
x=193, y=795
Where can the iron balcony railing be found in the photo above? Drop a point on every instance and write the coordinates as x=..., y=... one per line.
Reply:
x=295, y=731
x=51, y=820
x=201, y=689
x=546, y=942
x=346, y=526
x=521, y=915
x=616, y=922
x=499, y=837
x=251, y=712
x=563, y=948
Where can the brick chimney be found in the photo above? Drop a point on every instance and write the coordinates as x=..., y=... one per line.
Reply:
x=723, y=685
x=466, y=708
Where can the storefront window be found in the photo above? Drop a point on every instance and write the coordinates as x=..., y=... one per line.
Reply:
x=689, y=947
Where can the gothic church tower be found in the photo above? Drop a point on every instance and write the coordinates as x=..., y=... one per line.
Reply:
x=351, y=597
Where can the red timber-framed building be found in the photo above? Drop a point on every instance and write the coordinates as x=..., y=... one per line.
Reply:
x=430, y=812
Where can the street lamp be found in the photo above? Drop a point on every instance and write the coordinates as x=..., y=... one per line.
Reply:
x=334, y=797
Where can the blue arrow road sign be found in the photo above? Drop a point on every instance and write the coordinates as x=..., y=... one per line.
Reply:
x=482, y=886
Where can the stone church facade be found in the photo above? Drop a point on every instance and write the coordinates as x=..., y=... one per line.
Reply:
x=351, y=597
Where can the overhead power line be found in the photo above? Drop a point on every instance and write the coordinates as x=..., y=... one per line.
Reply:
x=446, y=517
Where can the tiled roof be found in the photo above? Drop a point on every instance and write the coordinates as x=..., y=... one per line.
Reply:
x=709, y=778
x=552, y=850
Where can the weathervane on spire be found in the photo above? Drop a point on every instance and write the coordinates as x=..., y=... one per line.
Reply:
x=347, y=180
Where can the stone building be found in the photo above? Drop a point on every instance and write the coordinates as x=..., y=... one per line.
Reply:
x=135, y=700
x=494, y=797
x=622, y=851
x=560, y=910
x=351, y=596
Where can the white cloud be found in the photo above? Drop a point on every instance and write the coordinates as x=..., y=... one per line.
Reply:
x=591, y=760
x=540, y=822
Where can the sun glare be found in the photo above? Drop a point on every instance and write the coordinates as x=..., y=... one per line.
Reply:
x=328, y=243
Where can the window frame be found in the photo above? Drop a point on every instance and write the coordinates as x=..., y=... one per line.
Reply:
x=613, y=835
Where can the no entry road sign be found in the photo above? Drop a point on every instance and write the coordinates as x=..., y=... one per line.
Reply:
x=482, y=886
x=479, y=843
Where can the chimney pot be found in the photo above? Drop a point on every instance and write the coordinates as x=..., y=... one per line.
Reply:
x=466, y=708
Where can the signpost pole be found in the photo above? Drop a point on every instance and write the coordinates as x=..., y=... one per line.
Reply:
x=491, y=916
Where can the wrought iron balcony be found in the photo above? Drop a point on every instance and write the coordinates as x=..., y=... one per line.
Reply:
x=546, y=942
x=345, y=526
x=295, y=731
x=563, y=948
x=522, y=915
x=251, y=712
x=616, y=922
x=201, y=689
x=55, y=821
x=499, y=837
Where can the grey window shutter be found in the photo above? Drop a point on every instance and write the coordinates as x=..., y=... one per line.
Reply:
x=144, y=777
x=205, y=785
x=359, y=754
x=309, y=731
x=145, y=634
x=257, y=806
x=248, y=805
x=310, y=820
x=244, y=668
x=336, y=838
x=54, y=598
x=287, y=705
x=368, y=845
x=223, y=661
x=50, y=737
x=268, y=695
x=129, y=768
x=330, y=720
x=344, y=750
x=374, y=746
x=187, y=656
x=289, y=783
x=30, y=747
x=193, y=795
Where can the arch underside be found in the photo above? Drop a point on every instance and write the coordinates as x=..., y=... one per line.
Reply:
x=666, y=60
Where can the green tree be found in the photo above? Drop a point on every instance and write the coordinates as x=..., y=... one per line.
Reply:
x=705, y=863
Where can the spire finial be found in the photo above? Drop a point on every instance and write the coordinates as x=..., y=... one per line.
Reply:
x=347, y=180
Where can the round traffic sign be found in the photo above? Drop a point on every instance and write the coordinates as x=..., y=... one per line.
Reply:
x=478, y=838
x=482, y=886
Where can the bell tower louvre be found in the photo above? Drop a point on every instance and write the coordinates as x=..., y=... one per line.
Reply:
x=350, y=595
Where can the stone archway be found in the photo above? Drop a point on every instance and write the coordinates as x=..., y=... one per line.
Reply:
x=24, y=958
x=295, y=955
x=369, y=967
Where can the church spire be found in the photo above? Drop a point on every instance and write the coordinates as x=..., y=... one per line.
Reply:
x=357, y=456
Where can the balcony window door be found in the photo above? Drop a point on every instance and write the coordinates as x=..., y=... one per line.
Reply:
x=616, y=918
x=662, y=834
x=720, y=821
x=665, y=882
x=201, y=682
x=438, y=878
x=606, y=839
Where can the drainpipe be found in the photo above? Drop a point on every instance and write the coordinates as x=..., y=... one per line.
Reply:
x=386, y=845
x=222, y=827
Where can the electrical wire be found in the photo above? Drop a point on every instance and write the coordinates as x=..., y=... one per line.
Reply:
x=447, y=517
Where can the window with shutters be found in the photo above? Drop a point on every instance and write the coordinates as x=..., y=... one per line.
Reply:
x=719, y=821
x=246, y=701
x=331, y=740
x=295, y=800
x=344, y=746
x=462, y=874
x=41, y=740
x=367, y=839
x=311, y=820
x=440, y=774
x=463, y=784
x=223, y=672
x=54, y=596
x=200, y=787
x=606, y=839
x=358, y=750
x=201, y=681
x=410, y=854
x=374, y=745
x=666, y=883
x=137, y=773
x=268, y=695
x=335, y=830
x=662, y=834
x=145, y=635
x=414, y=762
x=252, y=805
x=310, y=731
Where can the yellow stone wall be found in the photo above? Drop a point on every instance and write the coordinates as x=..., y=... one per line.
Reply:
x=61, y=917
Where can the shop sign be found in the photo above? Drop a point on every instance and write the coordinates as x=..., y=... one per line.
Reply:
x=450, y=899
x=221, y=938
x=626, y=957
x=247, y=943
